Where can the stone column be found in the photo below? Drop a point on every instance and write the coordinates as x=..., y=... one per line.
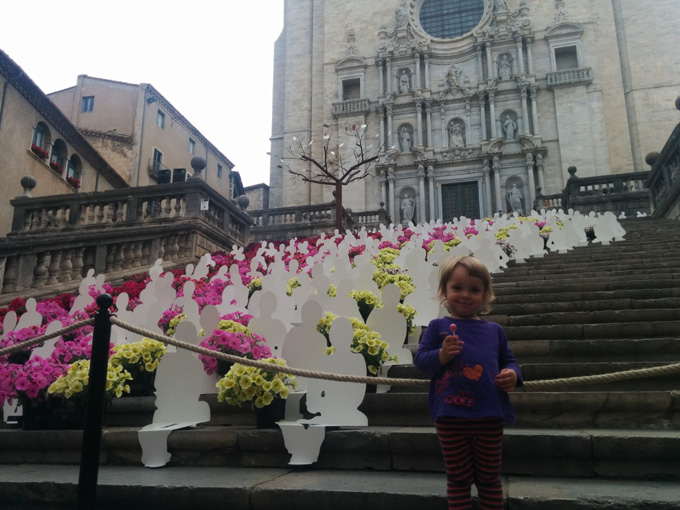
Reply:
x=430, y=185
x=417, y=135
x=539, y=166
x=534, y=112
x=497, y=184
x=416, y=58
x=442, y=112
x=390, y=193
x=520, y=56
x=381, y=114
x=421, y=191
x=383, y=191
x=480, y=62
x=468, y=122
x=428, y=119
x=388, y=74
x=426, y=57
x=380, y=63
x=489, y=63
x=390, y=134
x=482, y=112
x=487, y=187
x=531, y=182
x=492, y=112
x=525, y=112
x=530, y=59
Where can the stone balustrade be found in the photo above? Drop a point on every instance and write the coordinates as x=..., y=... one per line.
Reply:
x=351, y=107
x=56, y=240
x=664, y=178
x=569, y=77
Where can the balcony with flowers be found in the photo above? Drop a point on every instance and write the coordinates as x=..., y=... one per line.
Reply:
x=73, y=181
x=39, y=151
x=54, y=165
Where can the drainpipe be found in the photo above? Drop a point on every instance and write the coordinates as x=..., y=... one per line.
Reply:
x=141, y=136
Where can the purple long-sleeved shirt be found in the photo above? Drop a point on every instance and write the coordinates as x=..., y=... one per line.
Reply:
x=465, y=386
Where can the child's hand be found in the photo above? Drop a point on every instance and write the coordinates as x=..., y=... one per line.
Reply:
x=506, y=380
x=451, y=346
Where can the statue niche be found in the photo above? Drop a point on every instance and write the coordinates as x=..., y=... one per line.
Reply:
x=504, y=66
x=404, y=78
x=405, y=138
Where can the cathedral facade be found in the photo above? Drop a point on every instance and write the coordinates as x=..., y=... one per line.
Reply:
x=473, y=104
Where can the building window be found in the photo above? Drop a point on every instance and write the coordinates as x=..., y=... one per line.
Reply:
x=219, y=171
x=566, y=58
x=448, y=19
x=192, y=146
x=160, y=119
x=88, y=103
x=157, y=160
x=351, y=89
x=39, y=136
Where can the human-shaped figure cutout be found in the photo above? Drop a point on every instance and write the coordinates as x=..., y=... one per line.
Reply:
x=177, y=399
x=265, y=325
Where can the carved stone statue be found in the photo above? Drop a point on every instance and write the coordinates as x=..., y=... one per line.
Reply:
x=404, y=83
x=407, y=208
x=504, y=68
x=401, y=15
x=501, y=5
x=515, y=199
x=456, y=135
x=510, y=128
x=405, y=138
x=452, y=77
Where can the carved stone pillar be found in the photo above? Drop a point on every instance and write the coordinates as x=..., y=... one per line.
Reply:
x=388, y=74
x=442, y=117
x=468, y=122
x=480, y=62
x=492, y=112
x=430, y=185
x=525, y=111
x=380, y=63
x=416, y=59
x=482, y=113
x=426, y=57
x=381, y=114
x=487, y=187
x=428, y=120
x=390, y=134
x=390, y=182
x=530, y=58
x=383, y=191
x=497, y=183
x=539, y=167
x=417, y=132
x=533, y=93
x=531, y=181
x=421, y=192
x=520, y=55
x=489, y=63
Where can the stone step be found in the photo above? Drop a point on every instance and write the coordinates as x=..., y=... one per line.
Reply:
x=663, y=349
x=539, y=452
x=517, y=298
x=603, y=317
x=587, y=285
x=594, y=331
x=46, y=487
x=516, y=310
x=660, y=269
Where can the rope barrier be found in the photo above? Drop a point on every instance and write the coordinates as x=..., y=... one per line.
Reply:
x=27, y=343
x=528, y=385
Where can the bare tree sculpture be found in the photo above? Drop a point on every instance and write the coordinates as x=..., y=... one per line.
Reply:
x=329, y=168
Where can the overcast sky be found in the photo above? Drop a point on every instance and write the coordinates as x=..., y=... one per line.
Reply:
x=212, y=59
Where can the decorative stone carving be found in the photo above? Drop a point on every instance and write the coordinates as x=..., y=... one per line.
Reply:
x=456, y=134
x=407, y=209
x=504, y=67
x=509, y=128
x=405, y=140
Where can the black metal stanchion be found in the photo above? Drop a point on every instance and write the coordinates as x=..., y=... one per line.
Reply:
x=94, y=408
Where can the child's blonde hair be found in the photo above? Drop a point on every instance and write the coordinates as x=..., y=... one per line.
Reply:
x=475, y=268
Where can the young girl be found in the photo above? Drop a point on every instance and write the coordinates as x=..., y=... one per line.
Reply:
x=473, y=370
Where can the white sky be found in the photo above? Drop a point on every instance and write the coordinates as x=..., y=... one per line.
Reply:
x=212, y=59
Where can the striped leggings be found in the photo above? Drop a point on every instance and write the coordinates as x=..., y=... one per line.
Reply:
x=472, y=454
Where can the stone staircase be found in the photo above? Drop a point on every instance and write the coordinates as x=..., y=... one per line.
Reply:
x=594, y=310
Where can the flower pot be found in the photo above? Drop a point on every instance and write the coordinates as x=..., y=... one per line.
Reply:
x=223, y=367
x=52, y=414
x=267, y=416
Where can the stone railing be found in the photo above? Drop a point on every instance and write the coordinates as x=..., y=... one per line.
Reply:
x=310, y=220
x=568, y=77
x=664, y=178
x=616, y=192
x=351, y=106
x=56, y=240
